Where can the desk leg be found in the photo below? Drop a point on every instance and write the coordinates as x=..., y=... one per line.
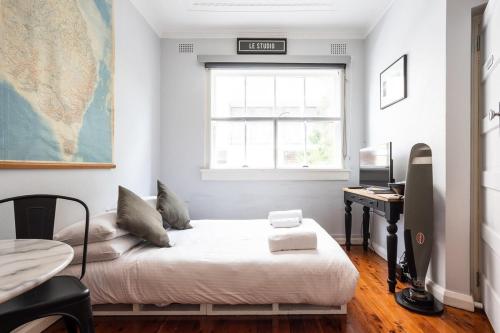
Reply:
x=348, y=224
x=392, y=248
x=366, y=227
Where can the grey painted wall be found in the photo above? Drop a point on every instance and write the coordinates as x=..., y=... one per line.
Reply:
x=183, y=112
x=416, y=28
x=137, y=107
x=436, y=35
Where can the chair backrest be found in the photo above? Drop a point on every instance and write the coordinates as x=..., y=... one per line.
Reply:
x=34, y=217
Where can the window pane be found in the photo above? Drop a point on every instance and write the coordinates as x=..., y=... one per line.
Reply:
x=324, y=147
x=323, y=95
x=229, y=99
x=277, y=93
x=291, y=144
x=289, y=96
x=228, y=144
x=260, y=144
x=260, y=96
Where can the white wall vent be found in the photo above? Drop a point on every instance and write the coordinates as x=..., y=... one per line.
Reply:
x=338, y=48
x=186, y=47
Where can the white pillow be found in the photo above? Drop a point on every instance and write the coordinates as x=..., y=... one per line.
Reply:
x=150, y=200
x=107, y=250
x=101, y=227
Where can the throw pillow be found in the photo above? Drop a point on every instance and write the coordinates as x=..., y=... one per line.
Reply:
x=172, y=209
x=140, y=219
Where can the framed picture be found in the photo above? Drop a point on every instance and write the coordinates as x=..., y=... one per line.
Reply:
x=393, y=83
x=57, y=84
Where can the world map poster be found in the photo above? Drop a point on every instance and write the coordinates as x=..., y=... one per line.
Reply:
x=56, y=83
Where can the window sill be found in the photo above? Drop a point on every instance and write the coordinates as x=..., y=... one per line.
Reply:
x=274, y=174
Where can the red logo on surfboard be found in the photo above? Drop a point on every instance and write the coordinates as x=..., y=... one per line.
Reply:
x=420, y=238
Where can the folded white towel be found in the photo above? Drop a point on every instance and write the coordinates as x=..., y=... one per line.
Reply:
x=293, y=240
x=285, y=214
x=285, y=223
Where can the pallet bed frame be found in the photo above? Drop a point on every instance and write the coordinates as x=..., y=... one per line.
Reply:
x=39, y=325
x=214, y=309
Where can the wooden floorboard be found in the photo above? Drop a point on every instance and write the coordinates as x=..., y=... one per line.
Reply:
x=373, y=309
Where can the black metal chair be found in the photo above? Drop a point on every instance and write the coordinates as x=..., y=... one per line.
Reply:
x=61, y=295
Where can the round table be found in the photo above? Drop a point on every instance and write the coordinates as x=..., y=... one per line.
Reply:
x=26, y=263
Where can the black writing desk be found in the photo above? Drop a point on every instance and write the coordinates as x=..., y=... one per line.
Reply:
x=391, y=206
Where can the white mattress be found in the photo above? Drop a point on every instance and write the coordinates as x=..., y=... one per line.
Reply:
x=225, y=262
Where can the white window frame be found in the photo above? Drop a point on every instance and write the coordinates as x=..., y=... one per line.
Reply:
x=243, y=174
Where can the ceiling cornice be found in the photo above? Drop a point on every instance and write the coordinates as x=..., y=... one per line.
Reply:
x=265, y=34
x=297, y=34
x=379, y=18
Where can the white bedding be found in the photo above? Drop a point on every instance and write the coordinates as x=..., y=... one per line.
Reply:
x=225, y=262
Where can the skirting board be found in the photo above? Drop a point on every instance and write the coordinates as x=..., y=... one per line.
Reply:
x=380, y=250
x=449, y=297
x=214, y=309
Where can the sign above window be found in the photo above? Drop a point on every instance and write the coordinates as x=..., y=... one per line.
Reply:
x=261, y=46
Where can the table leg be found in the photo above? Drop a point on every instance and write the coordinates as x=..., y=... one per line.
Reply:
x=392, y=249
x=366, y=227
x=348, y=224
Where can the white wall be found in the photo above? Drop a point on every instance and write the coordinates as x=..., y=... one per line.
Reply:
x=136, y=143
x=183, y=114
x=436, y=35
x=415, y=28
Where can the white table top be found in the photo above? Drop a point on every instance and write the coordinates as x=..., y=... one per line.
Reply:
x=26, y=263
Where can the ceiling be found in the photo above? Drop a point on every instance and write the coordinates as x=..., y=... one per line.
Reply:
x=290, y=18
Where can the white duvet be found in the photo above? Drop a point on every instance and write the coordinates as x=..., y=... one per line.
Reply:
x=225, y=262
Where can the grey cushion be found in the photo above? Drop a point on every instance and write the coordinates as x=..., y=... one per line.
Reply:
x=173, y=211
x=140, y=219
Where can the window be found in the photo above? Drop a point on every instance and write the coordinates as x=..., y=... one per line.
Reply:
x=276, y=118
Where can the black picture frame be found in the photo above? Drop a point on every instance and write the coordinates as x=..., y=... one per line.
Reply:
x=402, y=61
x=239, y=50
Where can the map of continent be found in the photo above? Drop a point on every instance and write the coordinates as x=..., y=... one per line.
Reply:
x=56, y=81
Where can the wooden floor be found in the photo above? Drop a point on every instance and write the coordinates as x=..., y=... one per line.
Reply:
x=373, y=309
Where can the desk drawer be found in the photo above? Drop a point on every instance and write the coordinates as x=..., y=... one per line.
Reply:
x=368, y=202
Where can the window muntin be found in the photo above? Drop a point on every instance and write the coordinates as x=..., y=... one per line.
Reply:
x=276, y=118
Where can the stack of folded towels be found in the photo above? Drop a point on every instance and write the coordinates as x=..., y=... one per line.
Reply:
x=287, y=236
x=286, y=218
x=106, y=241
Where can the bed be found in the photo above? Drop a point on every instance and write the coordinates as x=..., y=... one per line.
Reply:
x=223, y=267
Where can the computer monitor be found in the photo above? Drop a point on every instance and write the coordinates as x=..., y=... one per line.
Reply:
x=375, y=165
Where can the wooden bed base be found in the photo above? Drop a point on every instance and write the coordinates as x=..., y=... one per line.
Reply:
x=39, y=325
x=214, y=309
